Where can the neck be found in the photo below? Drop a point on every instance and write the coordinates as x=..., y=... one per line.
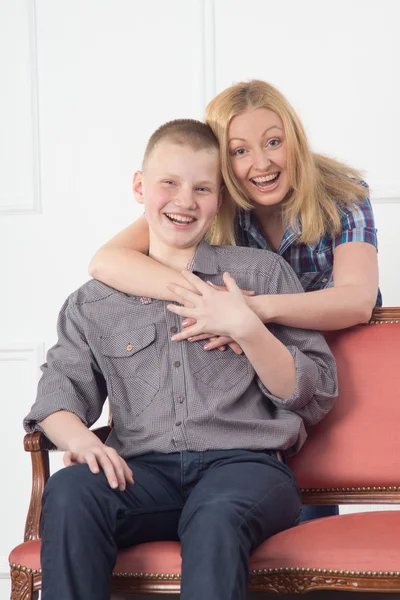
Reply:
x=271, y=224
x=175, y=258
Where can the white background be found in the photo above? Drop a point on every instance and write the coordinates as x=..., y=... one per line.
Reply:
x=83, y=85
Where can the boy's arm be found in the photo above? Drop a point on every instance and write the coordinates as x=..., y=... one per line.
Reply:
x=71, y=378
x=316, y=376
x=70, y=397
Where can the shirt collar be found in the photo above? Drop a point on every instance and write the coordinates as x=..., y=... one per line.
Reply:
x=248, y=222
x=204, y=260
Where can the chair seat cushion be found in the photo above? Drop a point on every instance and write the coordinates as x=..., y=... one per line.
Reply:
x=355, y=542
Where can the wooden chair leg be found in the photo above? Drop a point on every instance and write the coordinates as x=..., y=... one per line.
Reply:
x=21, y=585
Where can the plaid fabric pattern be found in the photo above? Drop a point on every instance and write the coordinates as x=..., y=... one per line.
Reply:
x=172, y=396
x=313, y=264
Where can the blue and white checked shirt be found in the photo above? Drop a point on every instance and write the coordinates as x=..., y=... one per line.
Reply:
x=313, y=264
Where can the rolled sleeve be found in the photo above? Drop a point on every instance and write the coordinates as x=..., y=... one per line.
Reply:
x=71, y=379
x=316, y=377
x=357, y=225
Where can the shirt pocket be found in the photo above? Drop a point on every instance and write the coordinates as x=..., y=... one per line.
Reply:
x=133, y=355
x=220, y=370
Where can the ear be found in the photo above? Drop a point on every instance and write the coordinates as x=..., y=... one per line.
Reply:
x=137, y=186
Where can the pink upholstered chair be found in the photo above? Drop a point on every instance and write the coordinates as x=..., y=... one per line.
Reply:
x=353, y=456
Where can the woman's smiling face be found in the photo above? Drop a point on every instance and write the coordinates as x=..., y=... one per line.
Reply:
x=258, y=155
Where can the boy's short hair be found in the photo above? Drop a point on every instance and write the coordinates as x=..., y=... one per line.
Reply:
x=184, y=132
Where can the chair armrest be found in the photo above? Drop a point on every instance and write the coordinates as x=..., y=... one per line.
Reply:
x=39, y=446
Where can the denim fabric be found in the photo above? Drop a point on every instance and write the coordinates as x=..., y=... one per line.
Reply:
x=219, y=504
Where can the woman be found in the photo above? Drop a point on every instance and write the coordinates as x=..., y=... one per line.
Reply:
x=312, y=210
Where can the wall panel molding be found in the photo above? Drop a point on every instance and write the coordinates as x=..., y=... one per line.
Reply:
x=209, y=58
x=31, y=352
x=17, y=204
x=385, y=194
x=4, y=567
x=29, y=355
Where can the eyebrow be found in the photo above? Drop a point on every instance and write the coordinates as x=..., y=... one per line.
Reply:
x=262, y=135
x=172, y=176
x=206, y=183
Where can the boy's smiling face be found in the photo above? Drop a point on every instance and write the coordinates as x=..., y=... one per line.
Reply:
x=180, y=189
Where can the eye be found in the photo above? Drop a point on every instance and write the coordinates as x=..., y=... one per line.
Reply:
x=202, y=189
x=168, y=181
x=239, y=152
x=274, y=143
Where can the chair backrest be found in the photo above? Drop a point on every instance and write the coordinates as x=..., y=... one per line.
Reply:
x=357, y=445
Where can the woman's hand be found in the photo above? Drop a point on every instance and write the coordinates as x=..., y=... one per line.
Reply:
x=214, y=342
x=221, y=312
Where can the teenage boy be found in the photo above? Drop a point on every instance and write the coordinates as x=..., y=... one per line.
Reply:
x=198, y=432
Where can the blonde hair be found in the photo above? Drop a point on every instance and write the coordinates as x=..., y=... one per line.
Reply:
x=318, y=184
x=198, y=136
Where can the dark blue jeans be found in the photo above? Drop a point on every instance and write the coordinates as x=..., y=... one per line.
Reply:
x=219, y=504
x=308, y=513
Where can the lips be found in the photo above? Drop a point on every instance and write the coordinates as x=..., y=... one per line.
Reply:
x=177, y=219
x=266, y=182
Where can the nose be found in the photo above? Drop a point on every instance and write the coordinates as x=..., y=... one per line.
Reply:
x=185, y=199
x=261, y=161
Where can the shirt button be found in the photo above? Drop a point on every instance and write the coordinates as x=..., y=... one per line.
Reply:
x=173, y=329
x=178, y=423
x=177, y=364
x=129, y=347
x=180, y=399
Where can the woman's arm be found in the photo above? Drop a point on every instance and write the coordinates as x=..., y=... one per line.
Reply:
x=349, y=302
x=123, y=264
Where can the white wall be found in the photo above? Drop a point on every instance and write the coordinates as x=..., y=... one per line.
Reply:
x=85, y=82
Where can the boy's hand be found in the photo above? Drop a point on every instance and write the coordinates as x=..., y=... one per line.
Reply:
x=214, y=341
x=99, y=456
x=223, y=313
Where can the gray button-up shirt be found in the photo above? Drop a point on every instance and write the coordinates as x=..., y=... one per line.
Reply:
x=171, y=396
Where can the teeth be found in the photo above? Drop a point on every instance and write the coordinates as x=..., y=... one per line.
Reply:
x=180, y=218
x=266, y=178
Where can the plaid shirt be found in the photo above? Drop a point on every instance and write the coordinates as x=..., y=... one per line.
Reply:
x=313, y=264
x=167, y=396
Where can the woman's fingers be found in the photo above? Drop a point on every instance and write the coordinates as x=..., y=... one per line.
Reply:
x=182, y=293
x=188, y=322
x=199, y=338
x=195, y=281
x=183, y=311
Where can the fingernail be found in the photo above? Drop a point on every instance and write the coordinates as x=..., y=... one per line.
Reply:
x=114, y=485
x=173, y=338
x=185, y=322
x=206, y=347
x=121, y=488
x=190, y=339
